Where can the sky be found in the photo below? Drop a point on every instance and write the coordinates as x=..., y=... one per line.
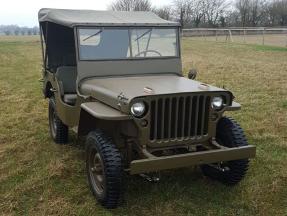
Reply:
x=24, y=12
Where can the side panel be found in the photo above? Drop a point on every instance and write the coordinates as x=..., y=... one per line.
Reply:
x=68, y=114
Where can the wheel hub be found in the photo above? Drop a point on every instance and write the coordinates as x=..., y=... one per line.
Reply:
x=96, y=171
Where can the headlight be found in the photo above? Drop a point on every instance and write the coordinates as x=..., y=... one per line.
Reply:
x=217, y=103
x=138, y=109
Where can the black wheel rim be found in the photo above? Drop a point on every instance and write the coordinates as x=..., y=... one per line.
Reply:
x=96, y=171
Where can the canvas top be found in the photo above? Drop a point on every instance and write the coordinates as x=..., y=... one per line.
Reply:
x=72, y=18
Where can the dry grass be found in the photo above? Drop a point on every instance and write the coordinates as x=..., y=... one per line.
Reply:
x=38, y=177
x=279, y=40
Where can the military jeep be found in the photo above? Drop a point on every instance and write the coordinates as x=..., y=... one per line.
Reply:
x=115, y=78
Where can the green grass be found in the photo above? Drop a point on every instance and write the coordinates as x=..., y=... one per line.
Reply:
x=284, y=104
x=270, y=48
x=38, y=177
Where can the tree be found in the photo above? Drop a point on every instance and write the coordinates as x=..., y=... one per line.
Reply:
x=17, y=31
x=7, y=32
x=197, y=12
x=23, y=31
x=182, y=11
x=243, y=8
x=277, y=12
x=213, y=10
x=35, y=30
x=200, y=12
x=257, y=10
x=163, y=12
x=131, y=5
x=252, y=12
x=232, y=18
x=29, y=31
x=222, y=21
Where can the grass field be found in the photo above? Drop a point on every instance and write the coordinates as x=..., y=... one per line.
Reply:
x=38, y=177
x=279, y=40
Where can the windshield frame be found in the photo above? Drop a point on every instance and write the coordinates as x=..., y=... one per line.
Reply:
x=129, y=28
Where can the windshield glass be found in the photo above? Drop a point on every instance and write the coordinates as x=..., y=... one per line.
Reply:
x=126, y=43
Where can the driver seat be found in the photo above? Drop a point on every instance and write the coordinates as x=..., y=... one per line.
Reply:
x=66, y=76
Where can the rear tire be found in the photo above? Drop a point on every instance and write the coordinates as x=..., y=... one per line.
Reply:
x=58, y=130
x=228, y=134
x=104, y=169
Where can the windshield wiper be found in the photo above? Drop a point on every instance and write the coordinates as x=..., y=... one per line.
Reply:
x=148, y=31
x=93, y=35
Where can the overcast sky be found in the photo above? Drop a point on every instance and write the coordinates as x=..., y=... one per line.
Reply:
x=24, y=12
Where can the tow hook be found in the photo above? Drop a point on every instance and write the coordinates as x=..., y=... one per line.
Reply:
x=151, y=178
x=220, y=167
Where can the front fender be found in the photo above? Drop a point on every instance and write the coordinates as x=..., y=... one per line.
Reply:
x=105, y=112
x=98, y=115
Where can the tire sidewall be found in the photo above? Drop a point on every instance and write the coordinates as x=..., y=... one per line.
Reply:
x=52, y=110
x=229, y=134
x=58, y=130
x=225, y=134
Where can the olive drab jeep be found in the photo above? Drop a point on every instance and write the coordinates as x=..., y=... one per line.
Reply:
x=115, y=78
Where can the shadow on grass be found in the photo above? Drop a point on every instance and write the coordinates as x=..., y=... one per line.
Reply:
x=184, y=191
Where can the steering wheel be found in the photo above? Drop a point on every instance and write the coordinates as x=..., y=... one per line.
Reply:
x=147, y=51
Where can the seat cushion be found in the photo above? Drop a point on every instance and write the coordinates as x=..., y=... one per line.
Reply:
x=70, y=98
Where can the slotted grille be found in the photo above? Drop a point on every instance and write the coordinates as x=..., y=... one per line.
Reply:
x=179, y=117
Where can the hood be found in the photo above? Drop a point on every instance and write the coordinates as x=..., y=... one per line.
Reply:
x=118, y=91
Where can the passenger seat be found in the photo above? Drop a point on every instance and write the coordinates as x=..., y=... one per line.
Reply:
x=66, y=76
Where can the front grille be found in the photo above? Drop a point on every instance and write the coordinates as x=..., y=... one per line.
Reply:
x=179, y=117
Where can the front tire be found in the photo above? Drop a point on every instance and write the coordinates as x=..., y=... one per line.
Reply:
x=58, y=130
x=229, y=134
x=104, y=169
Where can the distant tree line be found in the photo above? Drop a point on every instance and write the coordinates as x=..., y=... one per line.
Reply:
x=214, y=13
x=16, y=30
x=197, y=13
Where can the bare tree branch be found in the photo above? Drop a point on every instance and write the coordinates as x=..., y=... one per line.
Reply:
x=131, y=5
x=163, y=12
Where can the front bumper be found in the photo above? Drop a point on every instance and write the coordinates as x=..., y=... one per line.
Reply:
x=196, y=158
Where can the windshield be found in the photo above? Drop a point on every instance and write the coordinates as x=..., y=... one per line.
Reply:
x=126, y=43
